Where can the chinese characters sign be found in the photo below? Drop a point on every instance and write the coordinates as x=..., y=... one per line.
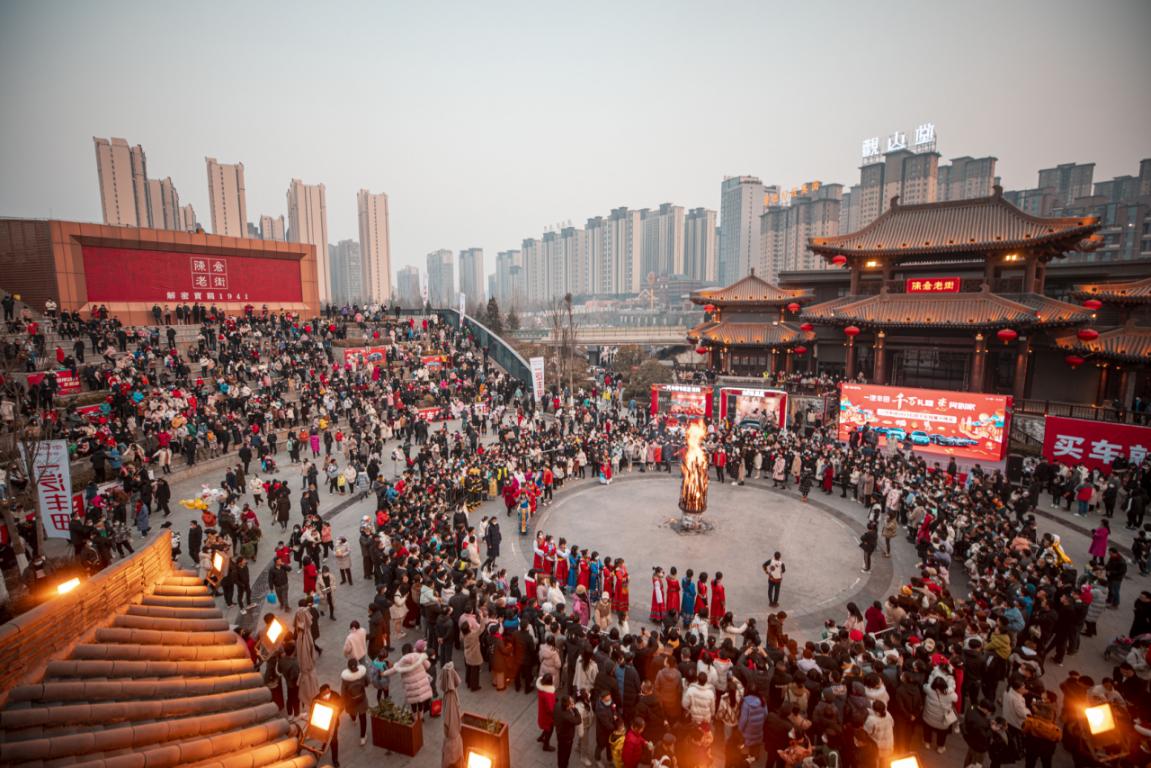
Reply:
x=680, y=403
x=924, y=141
x=1095, y=444
x=53, y=485
x=933, y=284
x=966, y=425
x=156, y=277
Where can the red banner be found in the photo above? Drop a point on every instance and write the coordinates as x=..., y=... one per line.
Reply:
x=933, y=284
x=1095, y=444
x=68, y=384
x=129, y=274
x=361, y=355
x=681, y=403
x=961, y=424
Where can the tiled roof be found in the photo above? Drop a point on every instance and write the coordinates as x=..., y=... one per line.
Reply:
x=982, y=224
x=750, y=290
x=1131, y=292
x=167, y=683
x=960, y=310
x=1128, y=343
x=748, y=334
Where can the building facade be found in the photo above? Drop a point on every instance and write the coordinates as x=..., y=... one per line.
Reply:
x=308, y=223
x=813, y=210
x=1068, y=181
x=965, y=178
x=471, y=265
x=699, y=245
x=663, y=234
x=509, y=279
x=273, y=228
x=188, y=222
x=441, y=279
x=347, y=265
x=375, y=245
x=408, y=291
x=227, y=200
x=741, y=205
x=163, y=204
x=123, y=176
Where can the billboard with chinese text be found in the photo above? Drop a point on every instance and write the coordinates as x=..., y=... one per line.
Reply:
x=966, y=425
x=1095, y=444
x=139, y=275
x=753, y=408
x=680, y=403
x=358, y=356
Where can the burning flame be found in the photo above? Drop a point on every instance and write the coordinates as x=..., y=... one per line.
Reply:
x=693, y=490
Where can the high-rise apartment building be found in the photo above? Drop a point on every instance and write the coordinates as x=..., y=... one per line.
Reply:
x=347, y=279
x=123, y=176
x=663, y=231
x=966, y=178
x=812, y=211
x=408, y=292
x=308, y=223
x=623, y=251
x=188, y=221
x=1123, y=205
x=596, y=253
x=272, y=228
x=1070, y=181
x=741, y=203
x=574, y=256
x=441, y=279
x=375, y=245
x=509, y=287
x=536, y=274
x=471, y=265
x=163, y=204
x=911, y=176
x=699, y=245
x=228, y=203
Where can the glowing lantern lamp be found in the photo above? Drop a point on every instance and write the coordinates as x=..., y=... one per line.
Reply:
x=801, y=350
x=807, y=327
x=1093, y=304
x=709, y=308
x=321, y=724
x=905, y=762
x=68, y=586
x=478, y=760
x=1088, y=334
x=1100, y=719
x=851, y=331
x=1074, y=361
x=793, y=307
x=839, y=260
x=1007, y=335
x=701, y=350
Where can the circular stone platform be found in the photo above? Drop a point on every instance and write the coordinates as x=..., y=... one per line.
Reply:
x=633, y=519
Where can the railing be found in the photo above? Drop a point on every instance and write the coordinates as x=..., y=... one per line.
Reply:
x=1078, y=411
x=499, y=351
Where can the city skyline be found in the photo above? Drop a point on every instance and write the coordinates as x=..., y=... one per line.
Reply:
x=598, y=172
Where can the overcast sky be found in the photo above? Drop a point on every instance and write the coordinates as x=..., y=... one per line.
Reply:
x=487, y=121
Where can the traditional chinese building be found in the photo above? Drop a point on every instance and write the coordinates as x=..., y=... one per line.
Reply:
x=750, y=327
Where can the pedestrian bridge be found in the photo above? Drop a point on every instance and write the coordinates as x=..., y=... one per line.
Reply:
x=612, y=336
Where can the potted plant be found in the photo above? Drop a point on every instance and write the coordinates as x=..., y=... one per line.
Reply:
x=487, y=735
x=396, y=728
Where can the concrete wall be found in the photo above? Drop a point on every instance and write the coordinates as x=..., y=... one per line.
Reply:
x=31, y=640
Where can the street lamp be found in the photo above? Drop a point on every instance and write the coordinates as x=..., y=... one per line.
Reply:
x=68, y=586
x=478, y=760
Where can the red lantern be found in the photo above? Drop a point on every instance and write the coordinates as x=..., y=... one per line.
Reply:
x=793, y=307
x=839, y=260
x=1074, y=361
x=1093, y=304
x=702, y=350
x=851, y=331
x=801, y=350
x=1007, y=335
x=807, y=327
x=709, y=308
x=1088, y=334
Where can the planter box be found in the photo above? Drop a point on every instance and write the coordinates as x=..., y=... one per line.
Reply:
x=476, y=736
x=405, y=739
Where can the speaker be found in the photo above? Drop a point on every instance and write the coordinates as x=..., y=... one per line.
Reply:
x=1014, y=468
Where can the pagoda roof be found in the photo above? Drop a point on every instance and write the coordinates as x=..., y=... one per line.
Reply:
x=1130, y=292
x=961, y=226
x=761, y=334
x=750, y=290
x=957, y=310
x=1127, y=343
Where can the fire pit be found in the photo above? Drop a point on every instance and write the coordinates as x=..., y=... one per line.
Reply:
x=693, y=486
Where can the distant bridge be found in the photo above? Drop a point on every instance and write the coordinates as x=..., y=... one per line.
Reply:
x=613, y=336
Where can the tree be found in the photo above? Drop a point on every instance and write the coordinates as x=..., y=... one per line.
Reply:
x=492, y=316
x=513, y=320
x=628, y=358
x=649, y=372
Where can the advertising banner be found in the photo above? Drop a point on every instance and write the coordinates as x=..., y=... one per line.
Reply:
x=131, y=274
x=434, y=362
x=68, y=384
x=961, y=424
x=360, y=355
x=463, y=305
x=537, y=366
x=53, y=482
x=753, y=408
x=1094, y=444
x=681, y=403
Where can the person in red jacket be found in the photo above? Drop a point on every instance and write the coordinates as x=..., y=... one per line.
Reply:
x=718, y=600
x=545, y=712
x=635, y=747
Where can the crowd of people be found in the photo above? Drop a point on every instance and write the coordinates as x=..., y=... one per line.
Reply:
x=690, y=681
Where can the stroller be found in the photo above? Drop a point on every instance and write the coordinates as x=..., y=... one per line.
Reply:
x=1119, y=649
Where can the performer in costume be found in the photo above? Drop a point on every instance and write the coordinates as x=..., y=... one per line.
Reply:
x=672, y=591
x=658, y=596
x=718, y=600
x=701, y=594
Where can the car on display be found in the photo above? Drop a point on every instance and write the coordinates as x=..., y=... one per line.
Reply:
x=964, y=442
x=919, y=437
x=942, y=439
x=896, y=434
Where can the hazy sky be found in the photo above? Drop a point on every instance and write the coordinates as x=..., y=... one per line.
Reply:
x=487, y=121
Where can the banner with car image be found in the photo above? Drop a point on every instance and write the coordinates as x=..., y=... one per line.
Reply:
x=966, y=425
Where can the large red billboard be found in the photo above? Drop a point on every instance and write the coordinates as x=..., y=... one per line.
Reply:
x=138, y=275
x=753, y=408
x=681, y=403
x=966, y=425
x=1095, y=444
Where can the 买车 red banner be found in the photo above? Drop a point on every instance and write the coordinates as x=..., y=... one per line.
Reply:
x=130, y=274
x=1095, y=444
x=962, y=424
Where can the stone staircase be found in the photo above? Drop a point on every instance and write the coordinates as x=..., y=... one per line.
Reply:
x=166, y=683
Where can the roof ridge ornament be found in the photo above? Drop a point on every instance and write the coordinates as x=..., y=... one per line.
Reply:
x=894, y=202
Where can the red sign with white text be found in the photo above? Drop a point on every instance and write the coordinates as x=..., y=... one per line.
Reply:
x=67, y=383
x=364, y=355
x=1095, y=444
x=131, y=274
x=933, y=285
x=966, y=425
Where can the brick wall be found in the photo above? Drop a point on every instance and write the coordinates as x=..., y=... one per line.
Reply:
x=48, y=632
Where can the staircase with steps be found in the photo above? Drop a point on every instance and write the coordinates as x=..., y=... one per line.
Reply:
x=166, y=683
